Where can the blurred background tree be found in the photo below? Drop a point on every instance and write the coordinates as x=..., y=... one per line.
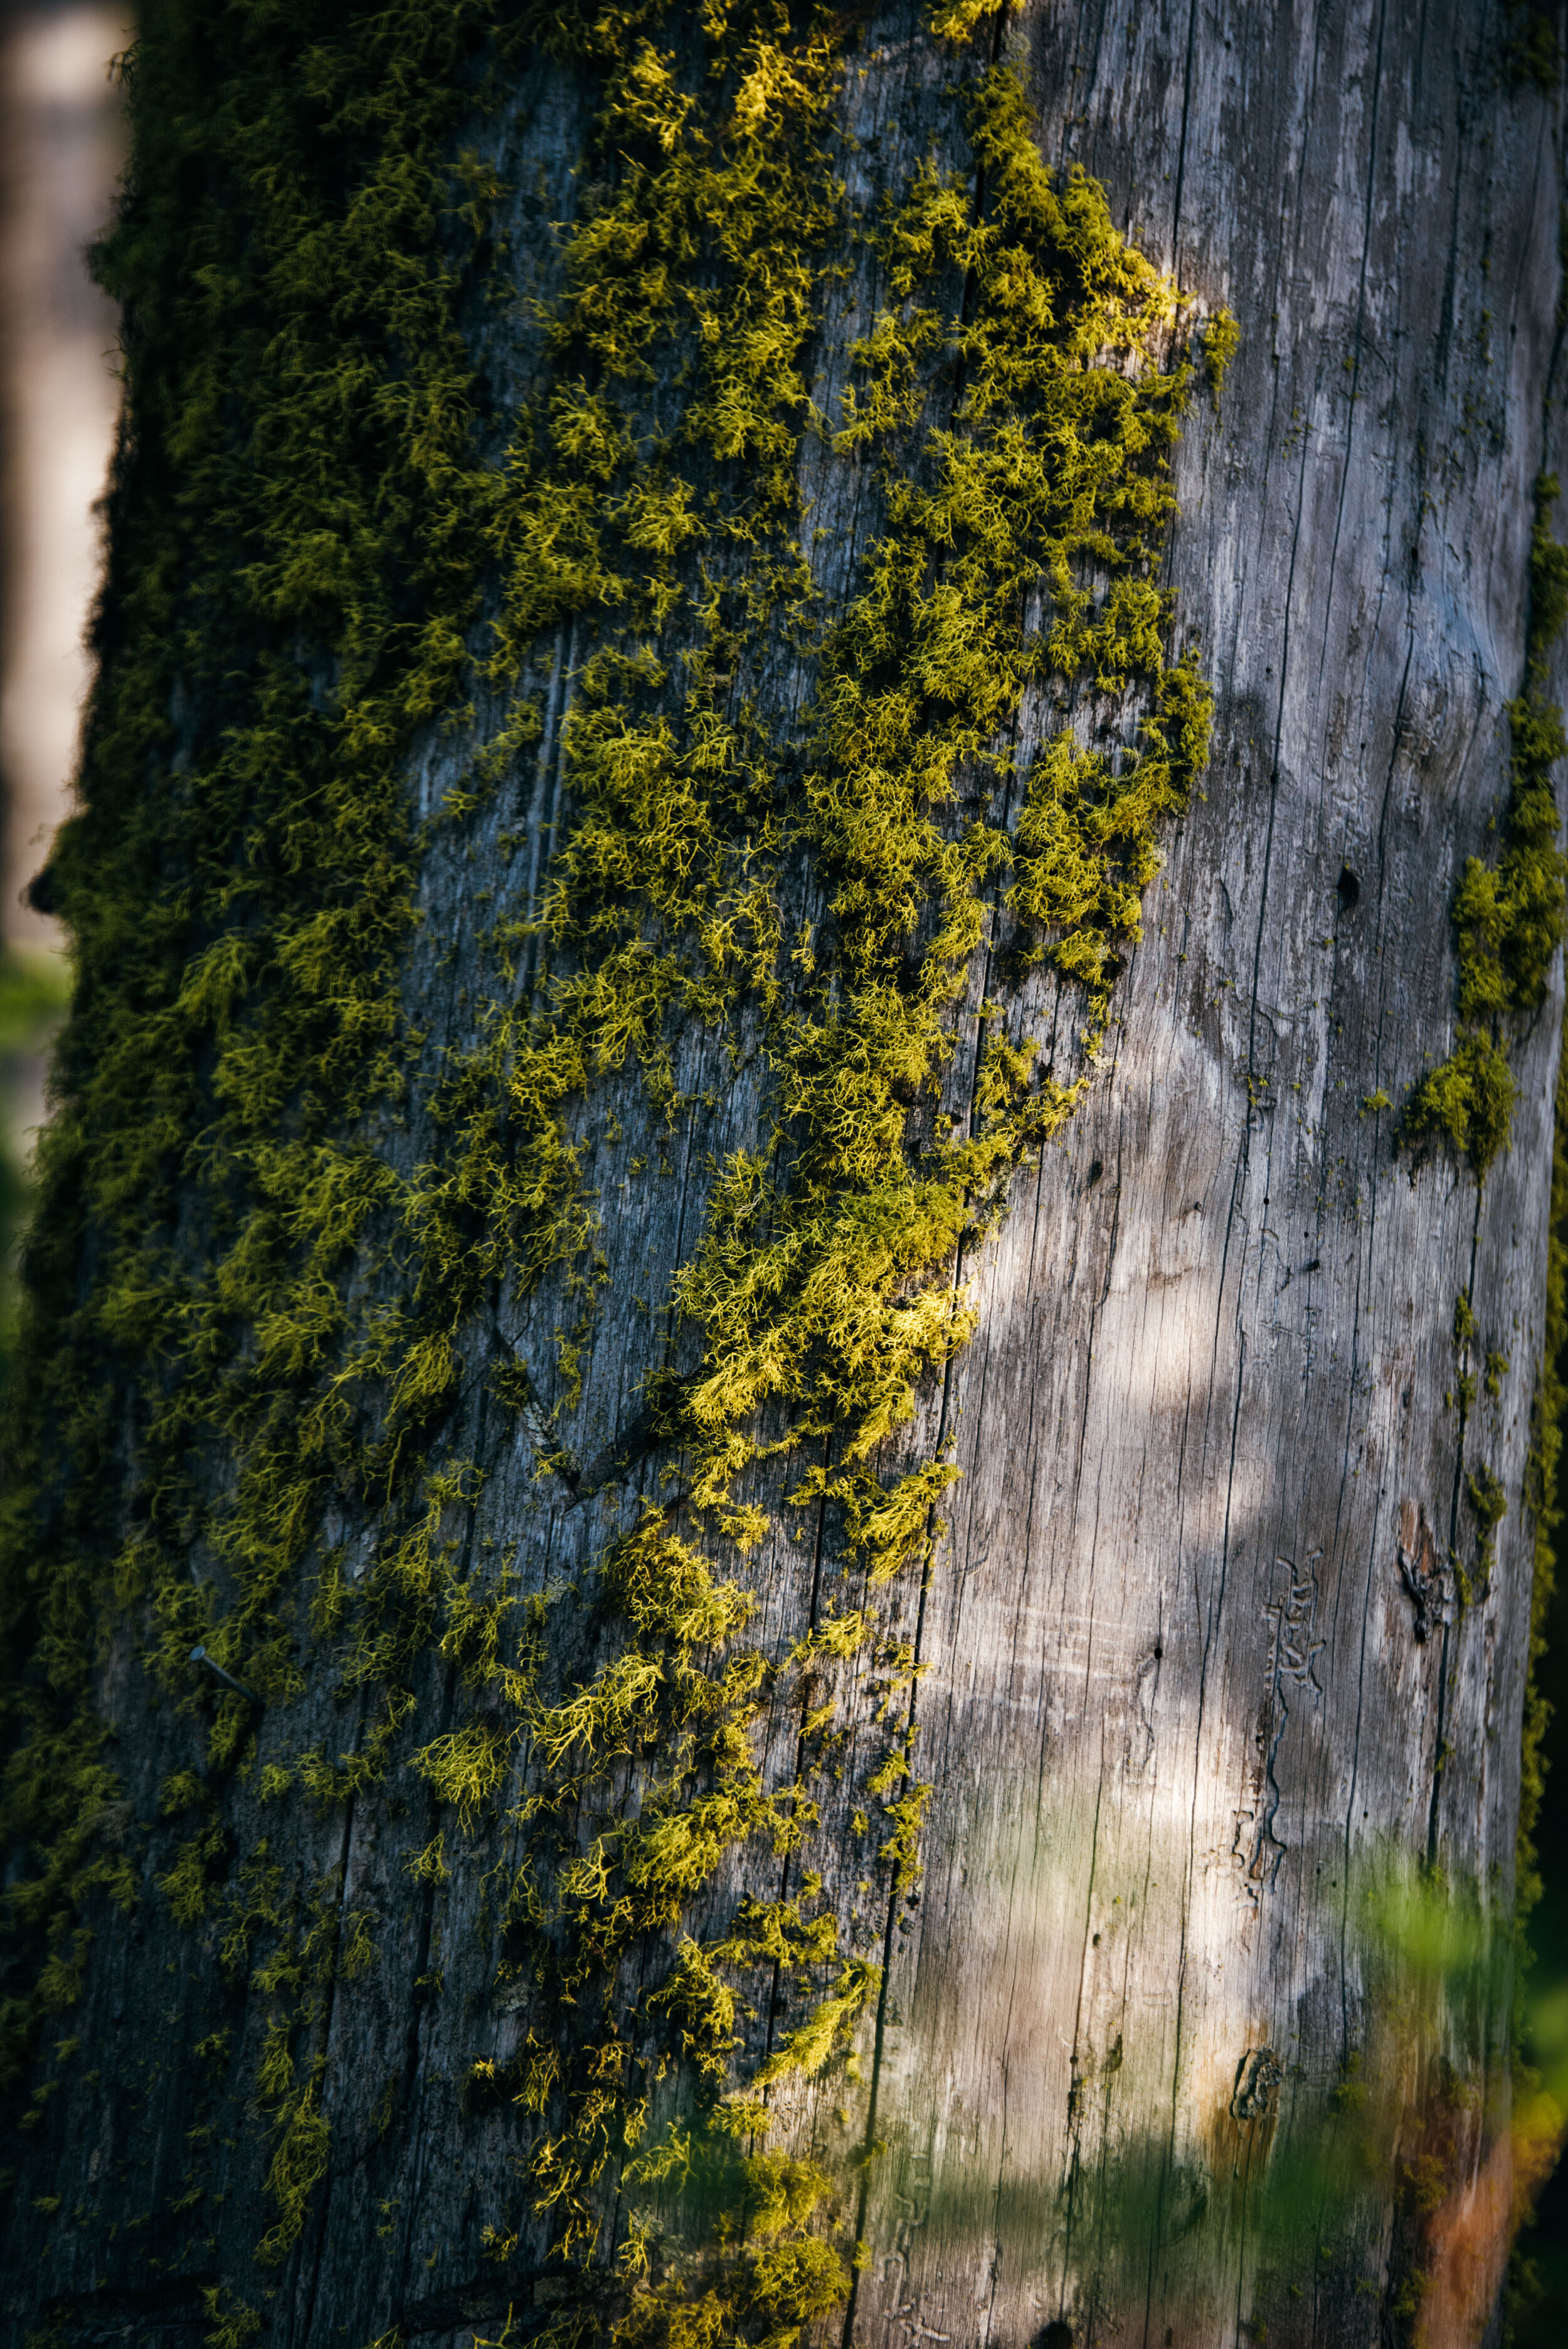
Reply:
x=62, y=143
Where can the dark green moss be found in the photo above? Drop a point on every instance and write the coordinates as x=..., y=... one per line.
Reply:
x=1533, y=44
x=291, y=483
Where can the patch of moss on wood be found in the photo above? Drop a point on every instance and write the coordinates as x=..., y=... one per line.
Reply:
x=1509, y=916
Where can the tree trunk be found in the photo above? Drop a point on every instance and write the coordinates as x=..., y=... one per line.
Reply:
x=651, y=658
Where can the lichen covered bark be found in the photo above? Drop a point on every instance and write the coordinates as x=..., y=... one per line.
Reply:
x=745, y=776
x=646, y=682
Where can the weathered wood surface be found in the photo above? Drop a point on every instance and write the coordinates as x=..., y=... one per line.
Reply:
x=1176, y=1691
x=1174, y=1696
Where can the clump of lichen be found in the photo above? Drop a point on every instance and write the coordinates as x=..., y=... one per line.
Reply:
x=823, y=1279
x=1542, y=1497
x=1509, y=916
x=271, y=1285
x=1222, y=340
x=1533, y=44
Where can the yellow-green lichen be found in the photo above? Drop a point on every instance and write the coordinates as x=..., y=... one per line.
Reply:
x=275, y=1288
x=812, y=1284
x=1222, y=340
x=1509, y=916
x=1541, y=1490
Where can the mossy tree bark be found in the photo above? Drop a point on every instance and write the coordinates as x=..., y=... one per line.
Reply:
x=638, y=678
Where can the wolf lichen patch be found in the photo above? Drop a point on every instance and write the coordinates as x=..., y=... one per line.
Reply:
x=1509, y=916
x=798, y=815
